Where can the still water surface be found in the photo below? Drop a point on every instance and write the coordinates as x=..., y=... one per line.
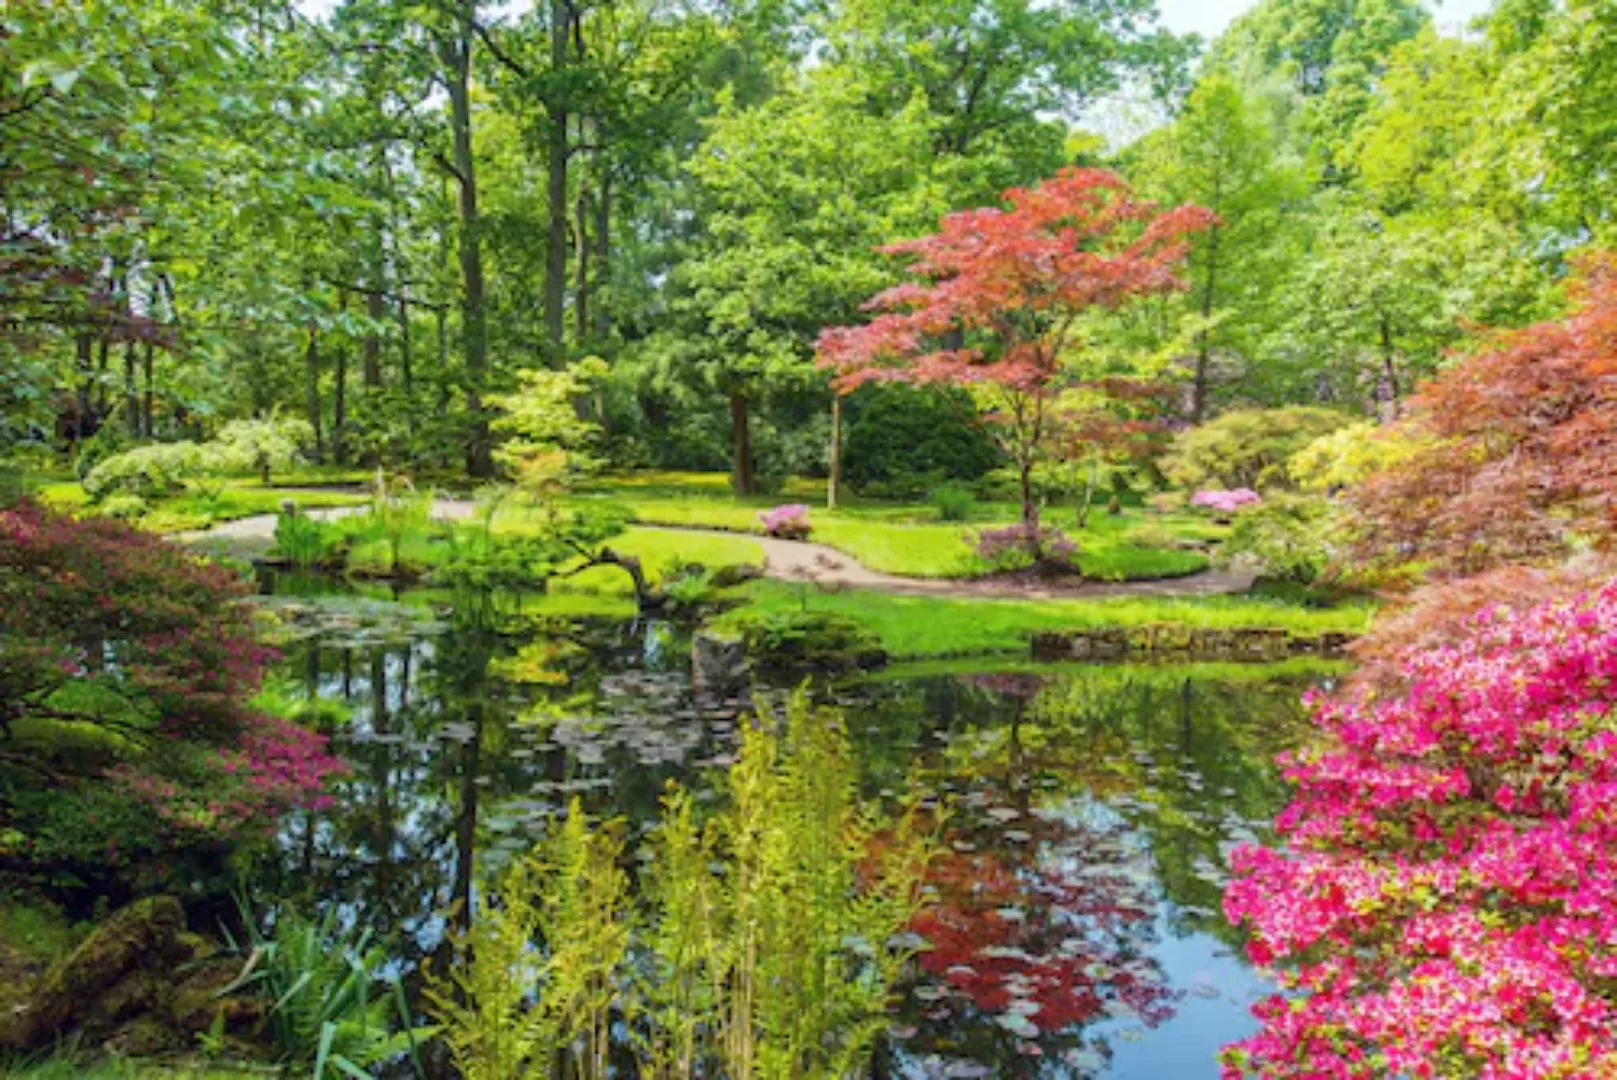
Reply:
x=1091, y=813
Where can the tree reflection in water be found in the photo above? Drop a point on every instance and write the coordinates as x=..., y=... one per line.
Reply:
x=1088, y=812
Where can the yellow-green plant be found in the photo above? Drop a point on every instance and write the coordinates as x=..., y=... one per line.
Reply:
x=761, y=944
x=676, y=995
x=781, y=964
x=484, y=1001
x=535, y=977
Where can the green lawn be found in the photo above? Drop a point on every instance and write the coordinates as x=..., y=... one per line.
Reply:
x=658, y=550
x=926, y=626
x=908, y=538
x=192, y=510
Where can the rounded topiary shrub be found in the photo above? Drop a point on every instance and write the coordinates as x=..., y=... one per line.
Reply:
x=904, y=440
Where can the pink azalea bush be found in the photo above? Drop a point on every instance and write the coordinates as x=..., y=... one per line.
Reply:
x=790, y=522
x=1225, y=502
x=1445, y=904
x=1019, y=546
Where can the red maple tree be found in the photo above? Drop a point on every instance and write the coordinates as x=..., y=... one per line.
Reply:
x=1518, y=446
x=998, y=293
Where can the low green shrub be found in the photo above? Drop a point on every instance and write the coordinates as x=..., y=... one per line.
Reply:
x=769, y=930
x=147, y=471
x=801, y=640
x=1290, y=537
x=331, y=1010
x=308, y=542
x=125, y=506
x=953, y=502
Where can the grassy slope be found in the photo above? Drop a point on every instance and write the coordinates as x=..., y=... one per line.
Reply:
x=925, y=626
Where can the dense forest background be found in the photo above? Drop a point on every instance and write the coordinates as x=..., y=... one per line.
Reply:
x=372, y=217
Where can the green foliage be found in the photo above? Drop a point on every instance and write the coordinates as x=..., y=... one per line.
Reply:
x=1291, y=537
x=1248, y=448
x=952, y=502
x=309, y=541
x=904, y=439
x=689, y=590
x=124, y=506
x=800, y=640
x=1348, y=455
x=331, y=1012
x=259, y=446
x=550, y=444
x=760, y=943
x=146, y=471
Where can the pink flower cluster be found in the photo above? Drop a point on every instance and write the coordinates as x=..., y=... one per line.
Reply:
x=1225, y=502
x=789, y=522
x=1014, y=545
x=276, y=766
x=1446, y=901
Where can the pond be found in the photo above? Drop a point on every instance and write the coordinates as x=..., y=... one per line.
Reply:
x=1090, y=812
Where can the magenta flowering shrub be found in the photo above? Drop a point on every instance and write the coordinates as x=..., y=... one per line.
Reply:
x=1445, y=904
x=790, y=522
x=1020, y=546
x=126, y=668
x=1225, y=502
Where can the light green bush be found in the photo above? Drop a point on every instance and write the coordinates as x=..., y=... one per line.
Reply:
x=1248, y=448
x=261, y=446
x=147, y=471
x=1290, y=537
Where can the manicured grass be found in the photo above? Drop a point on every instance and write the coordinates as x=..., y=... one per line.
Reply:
x=190, y=510
x=657, y=550
x=925, y=626
x=908, y=538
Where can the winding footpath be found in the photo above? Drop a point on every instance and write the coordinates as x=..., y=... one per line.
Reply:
x=795, y=560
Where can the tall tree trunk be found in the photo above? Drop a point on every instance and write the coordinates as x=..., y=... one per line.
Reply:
x=458, y=55
x=375, y=311
x=741, y=445
x=101, y=376
x=1204, y=348
x=833, y=483
x=581, y=268
x=556, y=180
x=1389, y=371
x=131, y=391
x=83, y=404
x=339, y=397
x=311, y=369
x=603, y=245
x=148, y=426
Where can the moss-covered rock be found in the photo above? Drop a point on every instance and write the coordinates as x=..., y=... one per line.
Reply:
x=138, y=983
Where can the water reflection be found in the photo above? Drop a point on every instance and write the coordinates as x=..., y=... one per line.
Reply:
x=1088, y=814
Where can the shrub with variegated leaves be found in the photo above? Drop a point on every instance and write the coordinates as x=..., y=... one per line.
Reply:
x=1445, y=903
